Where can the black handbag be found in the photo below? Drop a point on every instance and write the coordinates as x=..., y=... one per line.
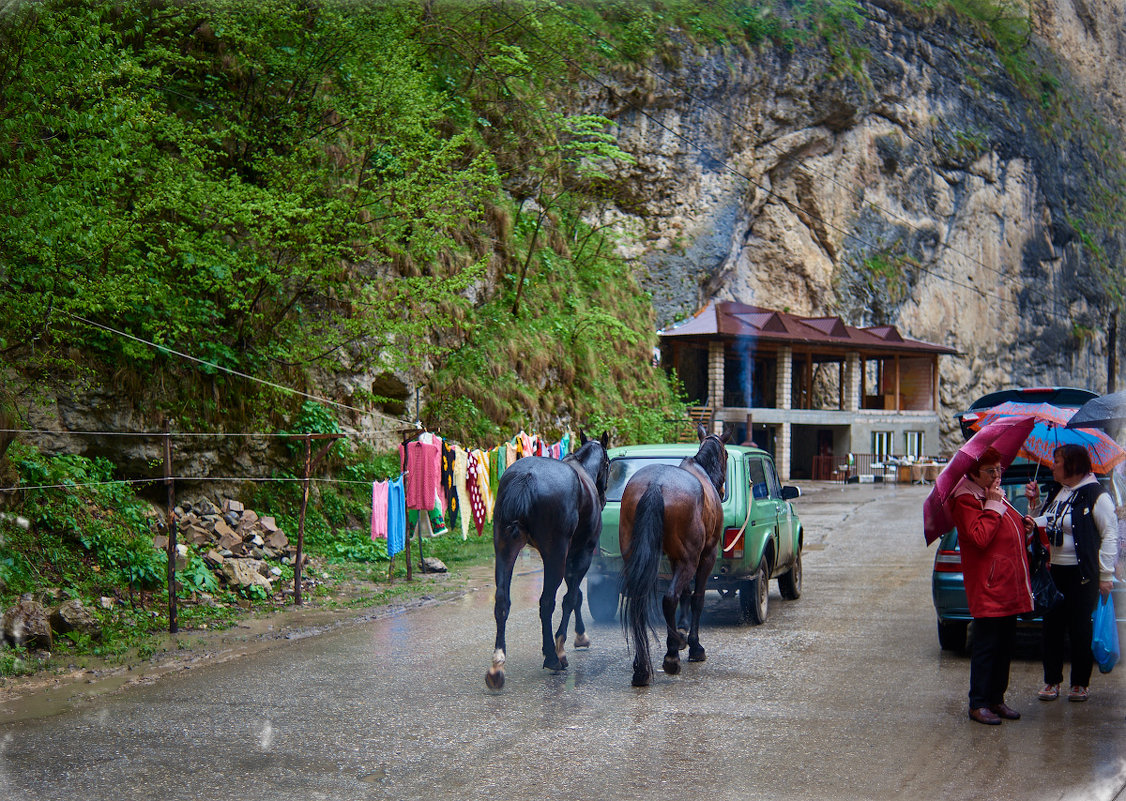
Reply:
x=1045, y=595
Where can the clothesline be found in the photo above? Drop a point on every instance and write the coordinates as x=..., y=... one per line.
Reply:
x=258, y=479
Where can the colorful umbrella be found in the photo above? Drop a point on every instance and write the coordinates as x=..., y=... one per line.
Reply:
x=1006, y=434
x=1050, y=431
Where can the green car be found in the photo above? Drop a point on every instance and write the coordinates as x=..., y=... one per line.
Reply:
x=762, y=536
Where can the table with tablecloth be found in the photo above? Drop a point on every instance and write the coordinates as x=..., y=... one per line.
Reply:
x=918, y=473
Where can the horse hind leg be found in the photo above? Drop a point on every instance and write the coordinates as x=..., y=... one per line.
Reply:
x=683, y=617
x=581, y=638
x=696, y=651
x=675, y=641
x=552, y=646
x=506, y=553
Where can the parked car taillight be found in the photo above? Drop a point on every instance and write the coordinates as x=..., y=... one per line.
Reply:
x=732, y=535
x=948, y=562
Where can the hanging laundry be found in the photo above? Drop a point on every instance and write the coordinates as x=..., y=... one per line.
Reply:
x=473, y=483
x=434, y=517
x=421, y=461
x=449, y=489
x=461, y=486
x=396, y=517
x=379, y=510
x=483, y=484
x=495, y=471
x=510, y=454
x=565, y=445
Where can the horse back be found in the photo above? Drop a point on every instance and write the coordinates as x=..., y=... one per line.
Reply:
x=544, y=499
x=689, y=513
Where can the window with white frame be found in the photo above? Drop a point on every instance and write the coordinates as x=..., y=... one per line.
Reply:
x=913, y=445
x=881, y=444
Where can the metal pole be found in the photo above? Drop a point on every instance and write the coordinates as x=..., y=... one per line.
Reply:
x=301, y=521
x=173, y=625
x=408, y=554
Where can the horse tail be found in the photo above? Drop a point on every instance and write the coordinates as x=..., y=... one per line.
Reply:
x=639, y=577
x=514, y=504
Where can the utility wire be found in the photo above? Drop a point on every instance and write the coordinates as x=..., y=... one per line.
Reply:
x=182, y=434
x=161, y=479
x=215, y=366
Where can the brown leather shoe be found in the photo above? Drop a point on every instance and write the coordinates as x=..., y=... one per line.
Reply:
x=1005, y=711
x=984, y=715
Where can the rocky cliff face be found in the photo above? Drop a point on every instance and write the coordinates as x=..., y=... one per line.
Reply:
x=928, y=192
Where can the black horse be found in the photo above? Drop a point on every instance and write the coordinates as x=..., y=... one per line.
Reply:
x=556, y=507
x=677, y=510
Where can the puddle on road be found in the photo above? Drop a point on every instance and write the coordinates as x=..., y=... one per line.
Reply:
x=375, y=777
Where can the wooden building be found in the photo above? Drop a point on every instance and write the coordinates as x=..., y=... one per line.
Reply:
x=809, y=389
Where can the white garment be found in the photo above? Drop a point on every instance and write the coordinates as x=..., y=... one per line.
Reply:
x=1106, y=521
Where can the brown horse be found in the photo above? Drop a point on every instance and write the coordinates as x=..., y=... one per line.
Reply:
x=556, y=507
x=676, y=510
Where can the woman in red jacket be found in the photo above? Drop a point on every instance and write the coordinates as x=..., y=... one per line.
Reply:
x=993, y=538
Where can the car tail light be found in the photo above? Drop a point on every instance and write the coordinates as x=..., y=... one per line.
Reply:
x=948, y=562
x=733, y=543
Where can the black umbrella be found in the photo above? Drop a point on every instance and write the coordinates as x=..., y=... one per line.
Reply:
x=1107, y=412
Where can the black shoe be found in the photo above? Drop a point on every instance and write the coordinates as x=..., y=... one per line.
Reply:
x=984, y=715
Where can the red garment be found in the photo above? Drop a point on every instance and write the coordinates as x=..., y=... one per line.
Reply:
x=994, y=559
x=476, y=502
x=422, y=462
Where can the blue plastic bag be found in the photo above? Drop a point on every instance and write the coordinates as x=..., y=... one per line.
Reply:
x=1104, y=643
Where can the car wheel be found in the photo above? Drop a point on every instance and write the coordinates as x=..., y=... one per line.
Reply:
x=602, y=598
x=789, y=583
x=952, y=635
x=754, y=596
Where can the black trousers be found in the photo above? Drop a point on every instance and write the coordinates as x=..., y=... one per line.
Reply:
x=991, y=652
x=1073, y=618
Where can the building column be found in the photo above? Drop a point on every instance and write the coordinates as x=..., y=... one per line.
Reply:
x=783, y=447
x=715, y=382
x=784, y=383
x=784, y=394
x=852, y=388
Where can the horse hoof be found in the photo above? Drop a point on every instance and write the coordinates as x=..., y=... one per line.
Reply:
x=683, y=643
x=582, y=641
x=555, y=664
x=494, y=679
x=697, y=656
x=641, y=679
x=671, y=665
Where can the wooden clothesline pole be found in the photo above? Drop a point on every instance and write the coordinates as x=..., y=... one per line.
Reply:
x=310, y=460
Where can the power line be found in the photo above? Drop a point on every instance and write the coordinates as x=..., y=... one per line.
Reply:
x=162, y=479
x=221, y=368
x=182, y=434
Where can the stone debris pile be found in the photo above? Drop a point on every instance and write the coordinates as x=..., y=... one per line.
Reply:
x=240, y=544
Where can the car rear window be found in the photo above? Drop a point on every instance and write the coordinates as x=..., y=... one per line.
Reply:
x=623, y=468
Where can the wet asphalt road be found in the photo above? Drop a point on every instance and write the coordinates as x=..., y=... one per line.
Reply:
x=843, y=694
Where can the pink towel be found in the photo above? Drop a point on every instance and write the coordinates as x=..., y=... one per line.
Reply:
x=379, y=510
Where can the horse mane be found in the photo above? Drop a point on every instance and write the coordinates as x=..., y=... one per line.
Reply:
x=712, y=459
x=593, y=460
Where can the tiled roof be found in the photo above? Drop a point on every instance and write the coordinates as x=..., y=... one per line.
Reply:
x=729, y=319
